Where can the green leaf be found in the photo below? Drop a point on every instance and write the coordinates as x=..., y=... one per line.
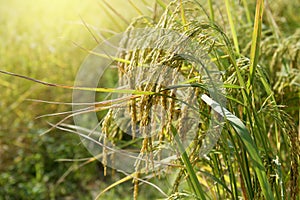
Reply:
x=256, y=38
x=245, y=136
x=192, y=177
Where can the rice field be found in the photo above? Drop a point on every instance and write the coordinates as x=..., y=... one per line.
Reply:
x=202, y=96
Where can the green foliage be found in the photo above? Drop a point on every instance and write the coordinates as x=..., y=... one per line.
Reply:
x=248, y=161
x=37, y=40
x=33, y=171
x=256, y=45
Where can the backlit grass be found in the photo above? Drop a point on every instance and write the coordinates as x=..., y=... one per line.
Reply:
x=254, y=44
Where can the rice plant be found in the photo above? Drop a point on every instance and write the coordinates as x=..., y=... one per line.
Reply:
x=248, y=160
x=256, y=154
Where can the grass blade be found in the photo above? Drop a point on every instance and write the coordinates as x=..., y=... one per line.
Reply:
x=183, y=15
x=125, y=179
x=248, y=15
x=232, y=27
x=192, y=177
x=245, y=136
x=116, y=12
x=162, y=4
x=108, y=90
x=256, y=38
x=211, y=11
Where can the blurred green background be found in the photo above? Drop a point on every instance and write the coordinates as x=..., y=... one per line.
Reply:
x=41, y=39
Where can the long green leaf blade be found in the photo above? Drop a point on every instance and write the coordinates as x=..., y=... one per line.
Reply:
x=256, y=38
x=245, y=136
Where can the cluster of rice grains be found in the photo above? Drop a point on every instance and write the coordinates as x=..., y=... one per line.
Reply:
x=160, y=64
